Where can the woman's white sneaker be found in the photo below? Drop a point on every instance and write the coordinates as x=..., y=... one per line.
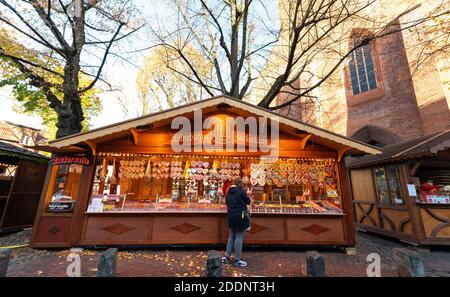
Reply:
x=226, y=260
x=240, y=263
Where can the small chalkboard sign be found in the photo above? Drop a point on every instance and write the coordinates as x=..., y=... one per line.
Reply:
x=61, y=206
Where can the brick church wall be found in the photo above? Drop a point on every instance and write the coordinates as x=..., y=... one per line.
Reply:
x=409, y=102
x=397, y=110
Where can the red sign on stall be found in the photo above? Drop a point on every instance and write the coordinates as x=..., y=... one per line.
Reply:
x=80, y=159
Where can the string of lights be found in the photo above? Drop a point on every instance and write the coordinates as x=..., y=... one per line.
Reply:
x=186, y=156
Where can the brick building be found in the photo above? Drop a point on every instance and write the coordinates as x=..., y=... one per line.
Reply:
x=384, y=92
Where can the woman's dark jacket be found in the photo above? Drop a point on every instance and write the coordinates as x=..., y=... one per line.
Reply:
x=237, y=201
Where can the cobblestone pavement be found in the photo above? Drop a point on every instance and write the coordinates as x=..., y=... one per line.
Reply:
x=286, y=261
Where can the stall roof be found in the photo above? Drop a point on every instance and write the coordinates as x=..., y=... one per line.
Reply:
x=116, y=130
x=423, y=146
x=10, y=150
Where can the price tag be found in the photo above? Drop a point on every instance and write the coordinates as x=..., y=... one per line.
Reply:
x=412, y=190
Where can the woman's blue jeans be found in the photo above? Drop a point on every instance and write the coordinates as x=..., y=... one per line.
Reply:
x=235, y=241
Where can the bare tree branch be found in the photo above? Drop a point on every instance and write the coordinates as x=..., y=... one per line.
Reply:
x=103, y=61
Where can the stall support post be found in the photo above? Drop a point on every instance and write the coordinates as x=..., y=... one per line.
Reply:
x=344, y=181
x=315, y=264
x=82, y=199
x=414, y=213
x=107, y=263
x=5, y=255
x=41, y=206
x=409, y=263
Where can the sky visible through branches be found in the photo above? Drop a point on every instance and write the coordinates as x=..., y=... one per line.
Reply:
x=122, y=66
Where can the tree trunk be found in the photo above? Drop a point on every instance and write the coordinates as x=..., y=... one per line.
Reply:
x=70, y=116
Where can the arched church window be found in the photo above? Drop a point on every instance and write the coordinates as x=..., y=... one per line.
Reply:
x=362, y=65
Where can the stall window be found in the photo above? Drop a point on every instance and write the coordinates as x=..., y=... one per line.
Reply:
x=64, y=182
x=141, y=183
x=394, y=189
x=387, y=185
x=382, y=189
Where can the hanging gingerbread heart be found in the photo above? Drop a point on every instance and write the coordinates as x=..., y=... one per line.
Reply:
x=305, y=167
x=314, y=178
x=291, y=179
x=261, y=181
x=321, y=177
x=304, y=179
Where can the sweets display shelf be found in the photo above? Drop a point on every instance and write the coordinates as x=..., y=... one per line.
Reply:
x=303, y=207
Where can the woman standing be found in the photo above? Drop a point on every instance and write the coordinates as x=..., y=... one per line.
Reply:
x=238, y=222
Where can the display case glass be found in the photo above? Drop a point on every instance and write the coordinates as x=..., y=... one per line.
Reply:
x=152, y=183
x=63, y=187
x=433, y=185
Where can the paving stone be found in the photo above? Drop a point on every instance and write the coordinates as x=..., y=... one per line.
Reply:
x=270, y=262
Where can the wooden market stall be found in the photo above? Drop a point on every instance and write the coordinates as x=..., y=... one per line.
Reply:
x=132, y=184
x=22, y=174
x=405, y=192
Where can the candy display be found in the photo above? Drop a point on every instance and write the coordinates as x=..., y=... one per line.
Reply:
x=317, y=173
x=176, y=169
x=132, y=169
x=293, y=185
x=161, y=170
